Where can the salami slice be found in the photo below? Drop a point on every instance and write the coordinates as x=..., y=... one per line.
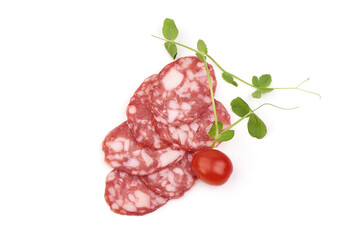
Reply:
x=194, y=136
x=173, y=181
x=128, y=195
x=124, y=153
x=140, y=118
x=180, y=92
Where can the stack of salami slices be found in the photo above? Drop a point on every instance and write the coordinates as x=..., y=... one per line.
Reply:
x=168, y=119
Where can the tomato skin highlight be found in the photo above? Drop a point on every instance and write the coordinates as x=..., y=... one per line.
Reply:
x=212, y=166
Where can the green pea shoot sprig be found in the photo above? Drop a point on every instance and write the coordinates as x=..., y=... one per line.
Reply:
x=256, y=127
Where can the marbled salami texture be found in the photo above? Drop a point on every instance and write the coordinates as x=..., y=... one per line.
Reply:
x=168, y=119
x=140, y=119
x=124, y=153
x=194, y=136
x=173, y=181
x=180, y=92
x=128, y=195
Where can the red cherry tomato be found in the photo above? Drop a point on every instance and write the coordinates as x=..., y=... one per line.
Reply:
x=212, y=166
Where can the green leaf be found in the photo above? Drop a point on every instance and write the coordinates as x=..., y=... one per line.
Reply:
x=212, y=131
x=225, y=136
x=228, y=78
x=256, y=94
x=240, y=107
x=264, y=80
x=265, y=90
x=201, y=46
x=201, y=57
x=255, y=81
x=171, y=48
x=256, y=127
x=169, y=29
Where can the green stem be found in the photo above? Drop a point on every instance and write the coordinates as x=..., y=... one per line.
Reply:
x=222, y=69
x=239, y=120
x=211, y=58
x=234, y=76
x=248, y=114
x=182, y=45
x=300, y=89
x=213, y=144
x=212, y=99
x=269, y=104
x=209, y=81
x=231, y=126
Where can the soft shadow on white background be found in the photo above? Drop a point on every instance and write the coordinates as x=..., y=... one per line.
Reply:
x=68, y=69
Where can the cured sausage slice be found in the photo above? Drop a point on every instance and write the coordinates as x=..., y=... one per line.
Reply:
x=140, y=118
x=180, y=92
x=173, y=181
x=124, y=153
x=194, y=136
x=128, y=195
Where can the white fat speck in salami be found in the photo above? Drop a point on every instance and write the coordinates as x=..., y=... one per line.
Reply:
x=128, y=195
x=124, y=153
x=140, y=119
x=180, y=92
x=173, y=181
x=194, y=136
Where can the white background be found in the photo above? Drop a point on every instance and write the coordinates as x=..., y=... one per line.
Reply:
x=68, y=69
